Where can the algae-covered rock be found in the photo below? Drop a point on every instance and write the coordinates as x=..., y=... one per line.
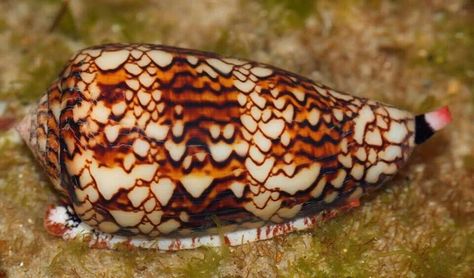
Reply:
x=415, y=55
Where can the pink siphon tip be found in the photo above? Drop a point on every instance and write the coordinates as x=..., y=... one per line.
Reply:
x=427, y=124
x=438, y=118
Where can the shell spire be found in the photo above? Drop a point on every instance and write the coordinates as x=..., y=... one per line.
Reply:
x=24, y=127
x=427, y=124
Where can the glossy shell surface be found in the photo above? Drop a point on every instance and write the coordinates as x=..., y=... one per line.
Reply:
x=153, y=140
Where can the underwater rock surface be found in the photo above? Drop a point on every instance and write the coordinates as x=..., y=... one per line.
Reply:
x=415, y=56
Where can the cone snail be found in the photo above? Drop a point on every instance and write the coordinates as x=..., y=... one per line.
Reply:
x=170, y=148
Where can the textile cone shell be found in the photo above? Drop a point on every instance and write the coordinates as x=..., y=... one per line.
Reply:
x=152, y=140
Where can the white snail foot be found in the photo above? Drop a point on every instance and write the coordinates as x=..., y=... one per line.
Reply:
x=61, y=221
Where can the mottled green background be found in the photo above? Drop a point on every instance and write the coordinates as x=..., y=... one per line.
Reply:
x=415, y=54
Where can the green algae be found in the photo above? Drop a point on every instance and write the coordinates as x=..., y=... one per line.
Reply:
x=20, y=187
x=209, y=259
x=337, y=251
x=105, y=22
x=25, y=251
x=69, y=258
x=128, y=259
x=65, y=23
x=451, y=53
x=226, y=44
x=443, y=257
x=344, y=247
x=291, y=12
x=126, y=24
x=41, y=66
x=445, y=254
x=468, y=162
x=429, y=103
x=203, y=266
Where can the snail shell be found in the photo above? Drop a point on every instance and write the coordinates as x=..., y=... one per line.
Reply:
x=160, y=141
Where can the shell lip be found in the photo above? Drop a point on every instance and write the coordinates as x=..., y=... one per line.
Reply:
x=427, y=124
